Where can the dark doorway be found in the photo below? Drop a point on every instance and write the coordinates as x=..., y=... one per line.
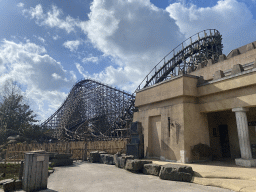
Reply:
x=224, y=141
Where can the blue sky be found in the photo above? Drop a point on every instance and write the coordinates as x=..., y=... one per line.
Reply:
x=47, y=46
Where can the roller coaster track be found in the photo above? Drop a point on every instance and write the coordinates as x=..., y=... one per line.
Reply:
x=186, y=56
x=94, y=110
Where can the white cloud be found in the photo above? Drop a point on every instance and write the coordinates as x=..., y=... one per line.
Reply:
x=43, y=76
x=90, y=59
x=232, y=18
x=135, y=34
x=56, y=37
x=41, y=39
x=81, y=70
x=35, y=13
x=56, y=76
x=20, y=4
x=72, y=45
x=52, y=18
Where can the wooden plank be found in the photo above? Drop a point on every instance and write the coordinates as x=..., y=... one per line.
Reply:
x=38, y=172
x=32, y=182
x=45, y=172
x=25, y=173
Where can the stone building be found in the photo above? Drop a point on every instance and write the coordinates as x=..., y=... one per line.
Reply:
x=213, y=105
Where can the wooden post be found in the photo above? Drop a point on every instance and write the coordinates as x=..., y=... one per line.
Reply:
x=21, y=170
x=35, y=172
x=85, y=151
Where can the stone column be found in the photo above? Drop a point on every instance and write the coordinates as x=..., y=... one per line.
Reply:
x=243, y=132
x=243, y=136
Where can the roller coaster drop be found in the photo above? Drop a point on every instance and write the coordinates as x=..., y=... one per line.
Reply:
x=94, y=110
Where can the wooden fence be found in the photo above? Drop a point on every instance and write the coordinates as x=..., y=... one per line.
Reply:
x=79, y=150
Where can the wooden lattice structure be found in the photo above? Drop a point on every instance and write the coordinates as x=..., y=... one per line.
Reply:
x=92, y=111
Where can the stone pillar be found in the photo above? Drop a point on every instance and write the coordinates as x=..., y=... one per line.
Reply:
x=243, y=136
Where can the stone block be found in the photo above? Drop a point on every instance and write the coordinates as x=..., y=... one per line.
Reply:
x=210, y=62
x=238, y=68
x=222, y=57
x=110, y=159
x=123, y=160
x=2, y=182
x=136, y=165
x=151, y=169
x=246, y=162
x=250, y=46
x=107, y=159
x=103, y=158
x=51, y=155
x=234, y=53
x=176, y=172
x=117, y=159
x=18, y=184
x=61, y=162
x=62, y=156
x=9, y=186
x=254, y=64
x=94, y=157
x=218, y=74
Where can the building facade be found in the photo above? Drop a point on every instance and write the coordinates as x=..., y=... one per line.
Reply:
x=213, y=105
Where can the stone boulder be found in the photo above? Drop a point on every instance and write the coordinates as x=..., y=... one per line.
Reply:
x=9, y=186
x=61, y=162
x=107, y=159
x=62, y=159
x=18, y=184
x=62, y=156
x=151, y=169
x=117, y=159
x=94, y=157
x=12, y=185
x=110, y=159
x=176, y=172
x=120, y=160
x=136, y=165
x=2, y=182
x=123, y=160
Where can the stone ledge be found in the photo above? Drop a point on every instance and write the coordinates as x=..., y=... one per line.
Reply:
x=246, y=162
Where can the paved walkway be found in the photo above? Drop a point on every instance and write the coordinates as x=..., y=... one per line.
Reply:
x=89, y=177
x=223, y=174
